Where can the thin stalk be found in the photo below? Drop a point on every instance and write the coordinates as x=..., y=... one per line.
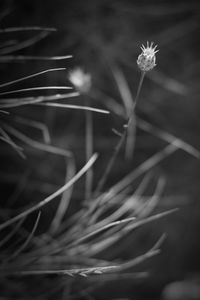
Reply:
x=31, y=76
x=89, y=151
x=131, y=126
x=137, y=96
x=121, y=140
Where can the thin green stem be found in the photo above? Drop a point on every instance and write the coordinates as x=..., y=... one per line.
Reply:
x=121, y=140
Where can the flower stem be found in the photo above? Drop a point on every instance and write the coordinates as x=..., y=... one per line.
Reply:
x=121, y=140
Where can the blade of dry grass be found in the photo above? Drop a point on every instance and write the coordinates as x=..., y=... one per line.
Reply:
x=70, y=106
x=155, y=217
x=143, y=168
x=120, y=143
x=65, y=200
x=148, y=206
x=35, y=124
x=127, y=180
x=14, y=146
x=12, y=102
x=70, y=272
x=31, y=76
x=20, y=186
x=166, y=136
x=38, y=88
x=120, y=276
x=4, y=112
x=30, y=28
x=97, y=231
x=35, y=144
x=6, y=138
x=27, y=241
x=52, y=196
x=111, y=103
x=11, y=58
x=123, y=87
x=89, y=151
x=110, y=238
x=16, y=102
x=127, y=99
x=24, y=44
x=99, y=205
x=11, y=233
x=152, y=252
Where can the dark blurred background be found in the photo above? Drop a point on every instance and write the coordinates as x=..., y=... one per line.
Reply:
x=100, y=34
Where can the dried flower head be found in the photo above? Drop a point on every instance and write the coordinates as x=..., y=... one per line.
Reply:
x=80, y=79
x=147, y=59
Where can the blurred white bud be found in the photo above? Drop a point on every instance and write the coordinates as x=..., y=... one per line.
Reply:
x=80, y=79
x=147, y=59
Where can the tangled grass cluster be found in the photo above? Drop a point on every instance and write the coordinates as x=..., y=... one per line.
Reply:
x=73, y=247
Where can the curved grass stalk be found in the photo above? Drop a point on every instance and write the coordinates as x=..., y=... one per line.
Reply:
x=97, y=231
x=114, y=235
x=9, y=58
x=70, y=106
x=16, y=102
x=38, y=88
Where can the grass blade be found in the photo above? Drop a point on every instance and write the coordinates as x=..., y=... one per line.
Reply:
x=8, y=58
x=30, y=28
x=31, y=76
x=69, y=106
x=52, y=196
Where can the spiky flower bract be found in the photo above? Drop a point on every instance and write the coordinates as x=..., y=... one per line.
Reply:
x=147, y=59
x=80, y=79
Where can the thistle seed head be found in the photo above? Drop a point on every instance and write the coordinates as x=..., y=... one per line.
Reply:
x=80, y=79
x=147, y=59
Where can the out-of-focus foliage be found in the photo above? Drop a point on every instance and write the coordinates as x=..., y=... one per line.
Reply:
x=104, y=37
